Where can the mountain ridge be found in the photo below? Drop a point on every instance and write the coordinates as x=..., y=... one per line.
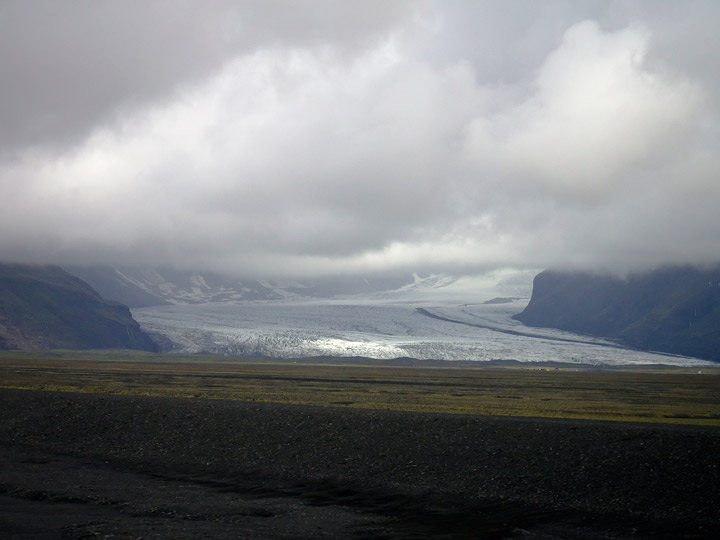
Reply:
x=45, y=307
x=673, y=309
x=145, y=287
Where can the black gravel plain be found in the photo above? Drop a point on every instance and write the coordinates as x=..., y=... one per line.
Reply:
x=107, y=466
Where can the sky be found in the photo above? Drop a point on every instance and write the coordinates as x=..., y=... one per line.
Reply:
x=316, y=137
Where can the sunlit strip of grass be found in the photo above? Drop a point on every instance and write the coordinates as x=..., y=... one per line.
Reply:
x=649, y=396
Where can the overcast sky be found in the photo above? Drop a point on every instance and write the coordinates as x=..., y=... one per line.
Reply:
x=273, y=138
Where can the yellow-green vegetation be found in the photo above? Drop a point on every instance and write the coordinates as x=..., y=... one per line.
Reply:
x=687, y=396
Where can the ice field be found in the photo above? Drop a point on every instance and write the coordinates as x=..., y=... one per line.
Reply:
x=380, y=328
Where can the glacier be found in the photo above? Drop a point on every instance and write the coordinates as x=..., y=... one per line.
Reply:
x=423, y=321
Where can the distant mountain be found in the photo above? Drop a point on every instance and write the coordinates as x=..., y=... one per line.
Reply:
x=154, y=287
x=674, y=309
x=44, y=307
x=114, y=285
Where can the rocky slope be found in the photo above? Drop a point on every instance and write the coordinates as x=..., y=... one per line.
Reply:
x=44, y=307
x=673, y=309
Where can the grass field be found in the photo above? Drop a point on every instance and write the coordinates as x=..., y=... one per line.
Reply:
x=649, y=394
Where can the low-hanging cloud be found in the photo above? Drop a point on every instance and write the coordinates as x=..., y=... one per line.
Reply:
x=318, y=152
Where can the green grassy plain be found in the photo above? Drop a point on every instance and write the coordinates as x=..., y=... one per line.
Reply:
x=647, y=394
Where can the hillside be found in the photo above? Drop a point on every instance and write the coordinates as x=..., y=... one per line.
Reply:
x=672, y=309
x=44, y=307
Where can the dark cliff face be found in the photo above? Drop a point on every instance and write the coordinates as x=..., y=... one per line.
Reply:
x=674, y=309
x=44, y=307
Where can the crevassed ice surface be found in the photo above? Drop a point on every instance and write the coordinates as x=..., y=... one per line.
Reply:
x=381, y=328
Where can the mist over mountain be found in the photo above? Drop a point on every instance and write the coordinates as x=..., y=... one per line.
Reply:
x=672, y=309
x=144, y=287
x=44, y=307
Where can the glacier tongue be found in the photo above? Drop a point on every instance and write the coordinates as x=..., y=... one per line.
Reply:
x=480, y=332
x=434, y=317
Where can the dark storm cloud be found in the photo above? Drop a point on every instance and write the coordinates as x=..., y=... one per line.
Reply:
x=326, y=137
x=68, y=66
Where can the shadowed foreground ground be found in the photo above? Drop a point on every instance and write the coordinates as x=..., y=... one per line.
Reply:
x=103, y=466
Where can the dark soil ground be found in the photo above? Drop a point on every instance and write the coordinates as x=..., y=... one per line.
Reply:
x=102, y=466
